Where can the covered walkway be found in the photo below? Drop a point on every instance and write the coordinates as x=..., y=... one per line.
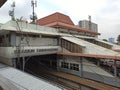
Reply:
x=116, y=58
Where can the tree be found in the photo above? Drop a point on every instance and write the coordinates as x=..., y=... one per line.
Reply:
x=105, y=40
x=118, y=39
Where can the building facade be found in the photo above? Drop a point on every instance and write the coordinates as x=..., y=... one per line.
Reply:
x=88, y=25
x=57, y=43
x=111, y=40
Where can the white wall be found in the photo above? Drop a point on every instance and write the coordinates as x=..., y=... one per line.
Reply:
x=37, y=41
x=12, y=52
x=7, y=61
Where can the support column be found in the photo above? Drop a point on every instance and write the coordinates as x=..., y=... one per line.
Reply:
x=58, y=63
x=12, y=39
x=14, y=62
x=50, y=63
x=81, y=66
x=23, y=63
x=115, y=69
x=98, y=63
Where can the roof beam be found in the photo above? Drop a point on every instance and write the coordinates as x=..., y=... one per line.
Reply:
x=90, y=55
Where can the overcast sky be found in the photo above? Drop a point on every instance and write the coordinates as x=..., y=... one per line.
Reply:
x=106, y=13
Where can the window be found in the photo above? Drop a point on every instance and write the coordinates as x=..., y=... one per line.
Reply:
x=65, y=65
x=71, y=66
x=74, y=66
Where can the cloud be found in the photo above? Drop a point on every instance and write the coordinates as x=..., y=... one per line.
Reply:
x=104, y=12
x=79, y=9
x=108, y=19
x=22, y=8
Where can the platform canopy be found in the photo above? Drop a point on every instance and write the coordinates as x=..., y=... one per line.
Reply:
x=14, y=79
x=90, y=55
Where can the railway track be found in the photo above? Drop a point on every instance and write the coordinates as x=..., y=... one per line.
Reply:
x=70, y=82
x=60, y=82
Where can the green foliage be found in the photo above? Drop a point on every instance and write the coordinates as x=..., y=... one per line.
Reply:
x=105, y=40
x=118, y=38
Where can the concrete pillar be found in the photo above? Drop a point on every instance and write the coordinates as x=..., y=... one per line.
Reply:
x=81, y=66
x=115, y=69
x=98, y=63
x=23, y=63
x=12, y=39
x=59, y=41
x=58, y=64
x=50, y=63
x=14, y=62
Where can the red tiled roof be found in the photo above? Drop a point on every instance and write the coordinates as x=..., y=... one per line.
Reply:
x=90, y=55
x=56, y=17
x=62, y=21
x=71, y=27
x=117, y=50
x=2, y=2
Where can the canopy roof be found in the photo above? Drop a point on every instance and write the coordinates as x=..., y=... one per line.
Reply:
x=90, y=55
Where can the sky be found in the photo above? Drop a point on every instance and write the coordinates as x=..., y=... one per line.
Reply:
x=106, y=13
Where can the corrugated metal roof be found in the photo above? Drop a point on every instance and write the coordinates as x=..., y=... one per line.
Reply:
x=74, y=41
x=92, y=50
x=2, y=66
x=115, y=47
x=28, y=28
x=25, y=81
x=103, y=41
x=86, y=37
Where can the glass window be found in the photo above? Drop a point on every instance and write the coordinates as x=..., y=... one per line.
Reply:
x=74, y=66
x=65, y=65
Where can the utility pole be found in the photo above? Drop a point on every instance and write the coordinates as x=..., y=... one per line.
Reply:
x=12, y=12
x=33, y=5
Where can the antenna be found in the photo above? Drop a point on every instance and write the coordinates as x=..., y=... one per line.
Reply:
x=90, y=24
x=33, y=17
x=11, y=12
x=35, y=3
